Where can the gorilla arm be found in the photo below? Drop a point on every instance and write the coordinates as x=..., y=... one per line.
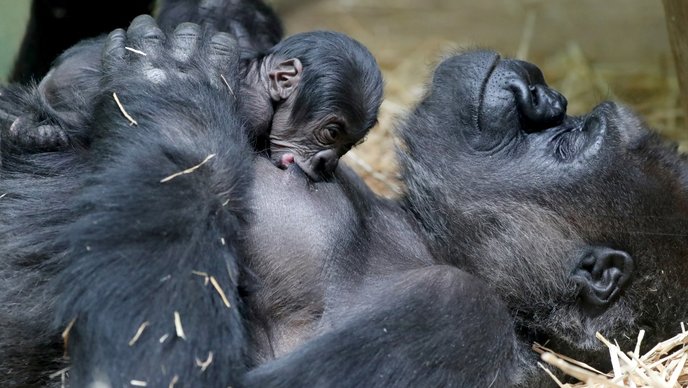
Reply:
x=149, y=292
x=434, y=326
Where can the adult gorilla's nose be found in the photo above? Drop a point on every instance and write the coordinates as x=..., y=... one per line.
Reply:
x=489, y=101
x=541, y=107
x=516, y=97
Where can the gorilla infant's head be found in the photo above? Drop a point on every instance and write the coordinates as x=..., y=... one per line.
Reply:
x=579, y=223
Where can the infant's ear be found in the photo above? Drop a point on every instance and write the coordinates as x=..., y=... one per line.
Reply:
x=602, y=273
x=284, y=78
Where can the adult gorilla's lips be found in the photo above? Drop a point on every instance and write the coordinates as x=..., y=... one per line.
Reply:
x=594, y=127
x=574, y=136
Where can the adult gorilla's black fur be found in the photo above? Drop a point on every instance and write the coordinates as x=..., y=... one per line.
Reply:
x=71, y=247
x=519, y=224
x=253, y=23
x=65, y=99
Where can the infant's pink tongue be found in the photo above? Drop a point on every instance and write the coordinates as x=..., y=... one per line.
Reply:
x=287, y=159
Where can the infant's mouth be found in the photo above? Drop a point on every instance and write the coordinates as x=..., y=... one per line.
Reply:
x=285, y=160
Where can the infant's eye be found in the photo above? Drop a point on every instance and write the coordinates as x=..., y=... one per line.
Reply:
x=331, y=132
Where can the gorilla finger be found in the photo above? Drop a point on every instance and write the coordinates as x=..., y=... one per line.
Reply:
x=223, y=54
x=241, y=34
x=50, y=137
x=113, y=50
x=209, y=10
x=25, y=132
x=145, y=36
x=185, y=40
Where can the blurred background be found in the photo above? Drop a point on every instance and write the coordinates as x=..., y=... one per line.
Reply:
x=590, y=50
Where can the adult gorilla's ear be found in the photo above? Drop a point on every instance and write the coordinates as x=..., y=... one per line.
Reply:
x=284, y=78
x=601, y=274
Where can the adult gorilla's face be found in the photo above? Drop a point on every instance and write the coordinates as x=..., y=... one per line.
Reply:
x=505, y=118
x=512, y=140
x=525, y=192
x=492, y=129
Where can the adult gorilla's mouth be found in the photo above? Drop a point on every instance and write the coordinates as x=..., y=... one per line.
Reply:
x=495, y=105
x=578, y=135
x=515, y=103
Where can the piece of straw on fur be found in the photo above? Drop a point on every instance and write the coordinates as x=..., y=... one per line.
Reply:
x=138, y=333
x=204, y=275
x=135, y=51
x=188, y=170
x=227, y=84
x=178, y=326
x=219, y=290
x=65, y=333
x=59, y=373
x=124, y=111
x=205, y=364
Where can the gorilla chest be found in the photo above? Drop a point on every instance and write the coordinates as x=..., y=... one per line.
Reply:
x=295, y=226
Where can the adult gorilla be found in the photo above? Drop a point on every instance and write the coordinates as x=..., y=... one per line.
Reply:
x=519, y=224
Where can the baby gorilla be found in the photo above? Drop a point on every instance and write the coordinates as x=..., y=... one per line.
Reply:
x=307, y=100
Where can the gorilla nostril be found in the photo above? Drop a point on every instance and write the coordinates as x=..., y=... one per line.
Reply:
x=540, y=106
x=534, y=95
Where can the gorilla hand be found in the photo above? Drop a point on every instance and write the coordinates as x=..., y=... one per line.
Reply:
x=133, y=261
x=64, y=97
x=148, y=58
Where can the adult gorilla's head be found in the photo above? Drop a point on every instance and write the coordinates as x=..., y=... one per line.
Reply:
x=580, y=223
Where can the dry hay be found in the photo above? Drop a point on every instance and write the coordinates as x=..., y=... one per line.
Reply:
x=664, y=366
